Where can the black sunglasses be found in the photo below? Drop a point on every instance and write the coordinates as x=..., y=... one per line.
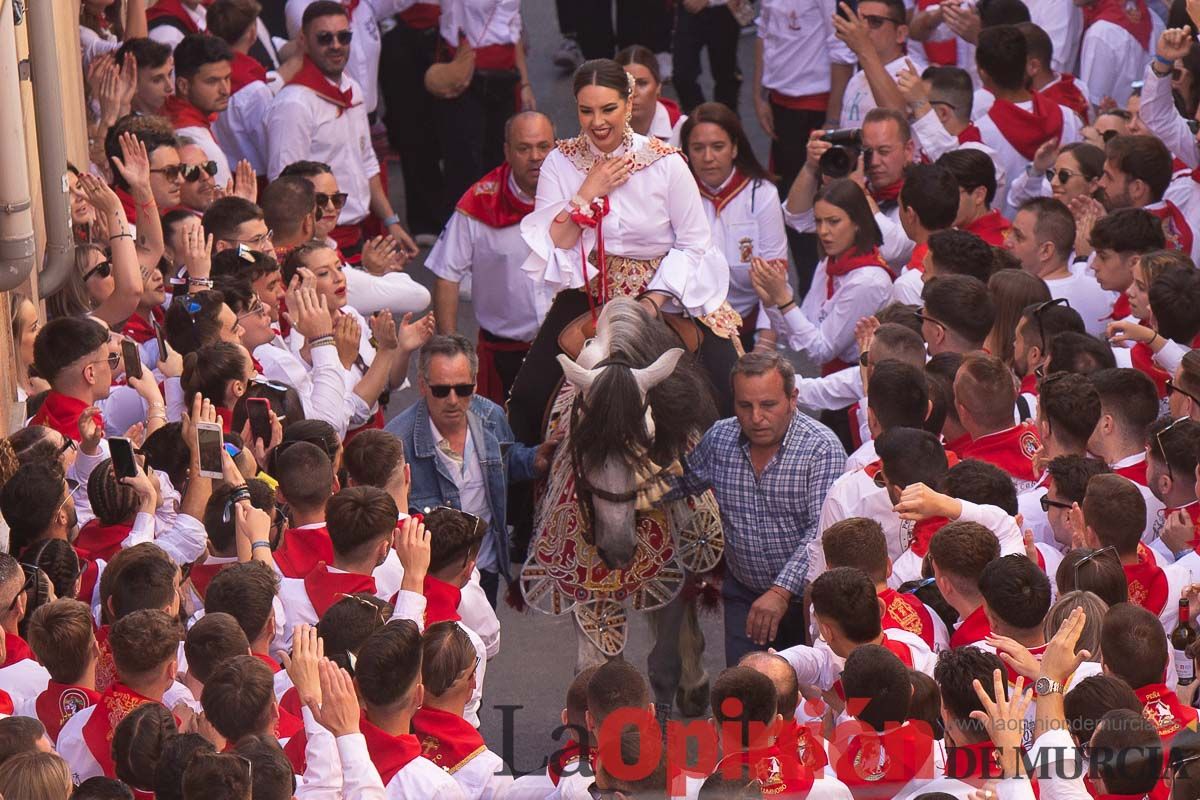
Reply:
x=1092, y=556
x=923, y=317
x=1040, y=308
x=1063, y=175
x=191, y=172
x=171, y=173
x=1048, y=504
x=103, y=269
x=337, y=199
x=460, y=389
x=1172, y=386
x=325, y=38
x=1162, y=450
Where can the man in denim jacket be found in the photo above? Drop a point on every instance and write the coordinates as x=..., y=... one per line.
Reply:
x=461, y=450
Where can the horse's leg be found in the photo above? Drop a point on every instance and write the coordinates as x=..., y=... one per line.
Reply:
x=586, y=653
x=692, y=697
x=664, y=663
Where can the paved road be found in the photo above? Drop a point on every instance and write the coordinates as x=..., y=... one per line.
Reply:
x=526, y=683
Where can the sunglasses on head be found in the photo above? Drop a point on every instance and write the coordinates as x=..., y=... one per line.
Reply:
x=337, y=199
x=1111, y=550
x=460, y=389
x=191, y=172
x=171, y=173
x=325, y=38
x=1162, y=450
x=103, y=269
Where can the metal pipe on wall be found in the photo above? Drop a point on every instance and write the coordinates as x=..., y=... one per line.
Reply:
x=16, y=213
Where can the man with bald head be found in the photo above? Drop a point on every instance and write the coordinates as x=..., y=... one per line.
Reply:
x=482, y=242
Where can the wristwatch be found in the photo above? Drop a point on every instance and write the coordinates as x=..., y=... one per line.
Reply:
x=1044, y=685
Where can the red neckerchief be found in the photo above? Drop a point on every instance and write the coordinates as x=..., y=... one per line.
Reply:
x=975, y=628
x=183, y=114
x=310, y=77
x=202, y=573
x=571, y=753
x=723, y=197
x=970, y=134
x=1135, y=472
x=917, y=260
x=1176, y=230
x=1147, y=583
x=128, y=203
x=16, y=650
x=960, y=444
x=674, y=112
x=288, y=725
x=245, y=71
x=173, y=9
x=270, y=662
x=1135, y=20
x=324, y=588
x=875, y=765
x=142, y=330
x=106, y=670
x=1065, y=92
x=1121, y=308
x=923, y=532
x=849, y=261
x=441, y=601
x=302, y=549
x=226, y=417
x=1161, y=706
x=887, y=194
x=88, y=578
x=1029, y=385
x=102, y=541
x=389, y=754
x=447, y=740
x=61, y=412
x=118, y=702
x=491, y=200
x=1011, y=449
x=905, y=612
x=991, y=227
x=1142, y=359
x=1193, y=511
x=1025, y=130
x=776, y=772
x=810, y=747
x=973, y=762
x=899, y=649
x=60, y=702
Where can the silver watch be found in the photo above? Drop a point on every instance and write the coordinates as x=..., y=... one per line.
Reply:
x=1044, y=686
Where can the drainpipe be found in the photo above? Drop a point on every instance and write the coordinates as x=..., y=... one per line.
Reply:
x=52, y=149
x=16, y=213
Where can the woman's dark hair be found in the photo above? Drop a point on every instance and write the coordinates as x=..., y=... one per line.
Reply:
x=720, y=115
x=642, y=56
x=138, y=741
x=285, y=402
x=192, y=321
x=849, y=197
x=602, y=72
x=1175, y=301
x=176, y=754
x=167, y=453
x=58, y=560
x=1089, y=157
x=209, y=371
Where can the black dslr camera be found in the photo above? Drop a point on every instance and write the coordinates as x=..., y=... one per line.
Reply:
x=841, y=159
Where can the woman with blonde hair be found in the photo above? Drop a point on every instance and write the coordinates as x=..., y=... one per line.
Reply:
x=35, y=775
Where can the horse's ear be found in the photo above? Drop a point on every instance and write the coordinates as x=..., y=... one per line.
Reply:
x=577, y=376
x=649, y=377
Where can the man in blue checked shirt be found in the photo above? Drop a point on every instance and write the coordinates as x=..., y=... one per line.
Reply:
x=770, y=469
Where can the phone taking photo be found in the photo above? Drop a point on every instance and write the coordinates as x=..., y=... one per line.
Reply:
x=132, y=358
x=258, y=411
x=210, y=440
x=121, y=451
x=162, y=343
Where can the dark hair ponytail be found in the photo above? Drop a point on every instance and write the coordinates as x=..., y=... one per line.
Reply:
x=602, y=72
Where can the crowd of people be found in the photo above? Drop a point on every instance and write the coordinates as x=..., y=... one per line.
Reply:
x=958, y=563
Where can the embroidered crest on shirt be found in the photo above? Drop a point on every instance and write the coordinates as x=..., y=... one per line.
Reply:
x=871, y=762
x=1137, y=593
x=486, y=187
x=745, y=249
x=583, y=158
x=1029, y=444
x=905, y=616
x=70, y=702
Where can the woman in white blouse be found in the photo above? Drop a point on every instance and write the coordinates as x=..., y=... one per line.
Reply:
x=618, y=213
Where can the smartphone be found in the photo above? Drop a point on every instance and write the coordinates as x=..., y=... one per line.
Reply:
x=132, y=358
x=211, y=440
x=162, y=343
x=121, y=450
x=258, y=411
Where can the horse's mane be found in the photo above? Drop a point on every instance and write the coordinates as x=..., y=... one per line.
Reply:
x=613, y=425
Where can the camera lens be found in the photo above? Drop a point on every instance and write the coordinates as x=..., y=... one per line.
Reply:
x=837, y=162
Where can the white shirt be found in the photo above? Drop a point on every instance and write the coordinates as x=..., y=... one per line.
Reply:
x=394, y=291
x=657, y=212
x=322, y=387
x=908, y=287
x=300, y=610
x=422, y=778
x=1111, y=59
x=1063, y=22
x=92, y=45
x=171, y=36
x=859, y=99
x=819, y=666
x=481, y=776
x=241, y=127
x=661, y=127
x=302, y=125
x=24, y=680
x=1012, y=542
x=855, y=494
x=204, y=139
x=799, y=46
x=472, y=492
x=754, y=214
x=897, y=248
x=1154, y=506
x=505, y=301
x=833, y=391
x=1007, y=157
x=356, y=408
x=363, y=62
x=481, y=22
x=862, y=457
x=1164, y=120
x=1093, y=303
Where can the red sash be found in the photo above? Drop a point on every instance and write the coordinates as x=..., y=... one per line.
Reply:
x=389, y=754
x=1147, y=583
x=302, y=549
x=102, y=541
x=923, y=532
x=991, y=227
x=1135, y=472
x=441, y=601
x=172, y=9
x=849, y=261
x=245, y=71
x=1025, y=130
x=185, y=115
x=61, y=412
x=876, y=765
x=733, y=187
x=201, y=575
x=113, y=706
x=1065, y=92
x=1142, y=358
x=674, y=112
x=1161, y=706
x=973, y=762
x=1135, y=20
x=491, y=200
x=311, y=77
x=142, y=330
x=60, y=702
x=421, y=17
x=288, y=725
x=16, y=650
x=1176, y=229
x=497, y=57
x=324, y=588
x=905, y=612
x=975, y=628
x=488, y=381
x=446, y=739
x=807, y=102
x=1011, y=449
x=777, y=773
x=88, y=578
x=970, y=134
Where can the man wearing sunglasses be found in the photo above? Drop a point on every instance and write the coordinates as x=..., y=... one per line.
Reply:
x=199, y=188
x=877, y=35
x=462, y=452
x=20, y=674
x=1183, y=390
x=202, y=70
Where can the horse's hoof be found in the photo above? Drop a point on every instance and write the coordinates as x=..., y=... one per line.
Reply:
x=692, y=702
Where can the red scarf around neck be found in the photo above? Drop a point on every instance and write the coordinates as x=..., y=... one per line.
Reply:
x=905, y=612
x=1147, y=583
x=721, y=198
x=311, y=77
x=245, y=71
x=441, y=601
x=916, y=261
x=1161, y=706
x=448, y=740
x=674, y=112
x=975, y=628
x=302, y=549
x=142, y=330
x=173, y=9
x=185, y=115
x=389, y=754
x=887, y=194
x=61, y=412
x=202, y=573
x=1025, y=130
x=571, y=753
x=991, y=227
x=876, y=765
x=16, y=650
x=1141, y=357
x=1121, y=308
x=1132, y=15
x=923, y=532
x=102, y=541
x=491, y=200
x=849, y=261
x=118, y=702
x=324, y=588
x=1176, y=230
x=88, y=578
x=1065, y=92
x=970, y=134
x=60, y=702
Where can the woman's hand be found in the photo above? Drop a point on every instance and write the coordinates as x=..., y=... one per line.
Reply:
x=770, y=281
x=134, y=166
x=197, y=252
x=102, y=198
x=1044, y=158
x=1122, y=332
x=605, y=176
